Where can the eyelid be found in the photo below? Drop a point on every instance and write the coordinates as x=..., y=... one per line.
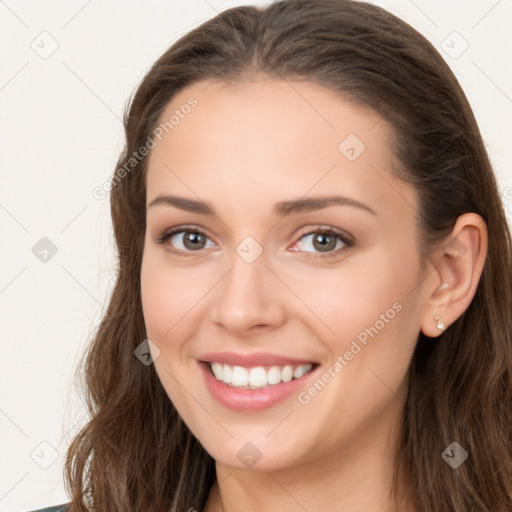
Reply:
x=323, y=228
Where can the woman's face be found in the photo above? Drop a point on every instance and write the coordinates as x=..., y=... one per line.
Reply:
x=266, y=277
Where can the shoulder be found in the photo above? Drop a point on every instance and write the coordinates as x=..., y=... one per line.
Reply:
x=56, y=508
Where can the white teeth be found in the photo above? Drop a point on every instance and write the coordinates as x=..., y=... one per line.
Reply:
x=287, y=375
x=257, y=377
x=274, y=375
x=217, y=370
x=240, y=376
x=227, y=374
x=299, y=372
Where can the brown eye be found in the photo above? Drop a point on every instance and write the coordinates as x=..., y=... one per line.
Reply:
x=327, y=241
x=324, y=242
x=194, y=240
x=185, y=240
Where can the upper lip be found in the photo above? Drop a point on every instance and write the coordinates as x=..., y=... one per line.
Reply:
x=254, y=359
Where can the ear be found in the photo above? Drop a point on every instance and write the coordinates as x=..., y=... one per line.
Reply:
x=458, y=265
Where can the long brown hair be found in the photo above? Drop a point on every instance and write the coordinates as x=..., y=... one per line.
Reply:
x=135, y=453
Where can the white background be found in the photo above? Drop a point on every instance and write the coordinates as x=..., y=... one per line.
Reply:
x=61, y=134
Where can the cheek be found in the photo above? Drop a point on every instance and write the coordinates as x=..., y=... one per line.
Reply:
x=168, y=300
x=350, y=298
x=368, y=303
x=159, y=301
x=171, y=294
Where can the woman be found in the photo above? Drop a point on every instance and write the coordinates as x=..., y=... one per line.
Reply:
x=313, y=302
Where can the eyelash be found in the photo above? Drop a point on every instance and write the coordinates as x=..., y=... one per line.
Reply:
x=347, y=241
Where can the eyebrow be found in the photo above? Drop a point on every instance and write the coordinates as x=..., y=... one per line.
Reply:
x=281, y=208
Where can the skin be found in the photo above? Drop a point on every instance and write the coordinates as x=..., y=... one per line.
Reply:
x=244, y=147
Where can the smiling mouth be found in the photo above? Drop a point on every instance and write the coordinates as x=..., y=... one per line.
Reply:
x=258, y=377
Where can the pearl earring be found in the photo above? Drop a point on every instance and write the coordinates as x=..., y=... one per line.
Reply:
x=440, y=324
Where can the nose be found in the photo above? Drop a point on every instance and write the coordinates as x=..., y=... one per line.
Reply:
x=248, y=299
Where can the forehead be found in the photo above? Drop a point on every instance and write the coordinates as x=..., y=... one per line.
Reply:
x=270, y=138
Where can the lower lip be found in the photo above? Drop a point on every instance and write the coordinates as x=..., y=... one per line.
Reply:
x=240, y=399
